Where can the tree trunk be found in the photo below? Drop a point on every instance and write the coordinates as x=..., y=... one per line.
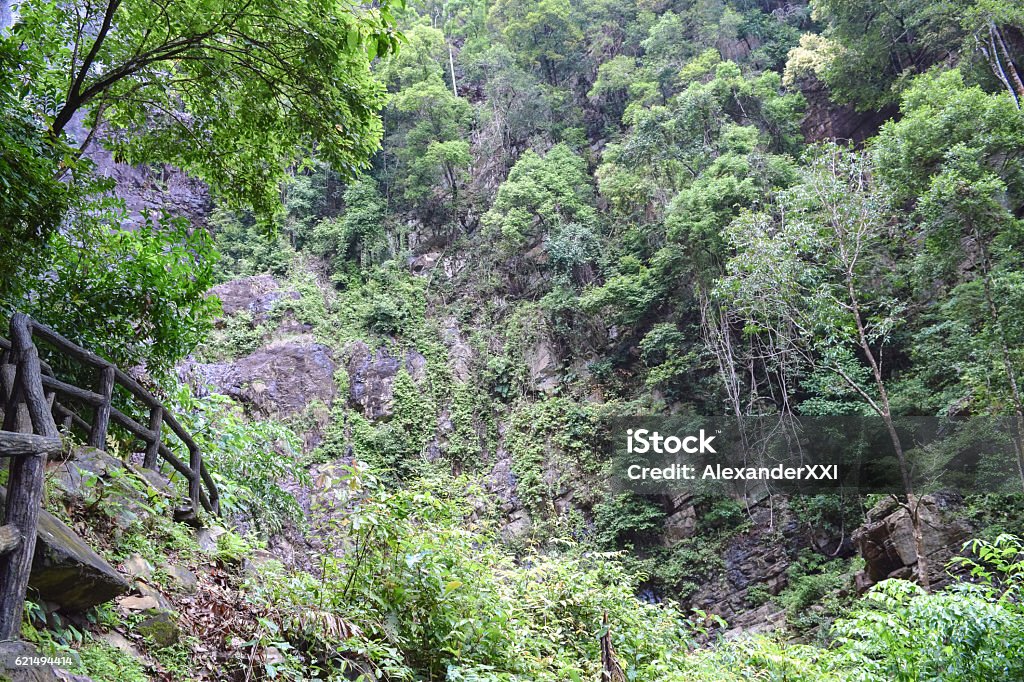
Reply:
x=884, y=410
x=451, y=68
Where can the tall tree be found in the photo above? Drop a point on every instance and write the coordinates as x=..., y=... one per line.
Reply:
x=543, y=33
x=233, y=92
x=813, y=273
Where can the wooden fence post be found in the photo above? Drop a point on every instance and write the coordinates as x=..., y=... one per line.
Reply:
x=24, y=500
x=195, y=463
x=16, y=416
x=25, y=480
x=98, y=433
x=156, y=420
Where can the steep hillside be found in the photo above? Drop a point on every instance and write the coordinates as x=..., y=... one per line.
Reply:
x=404, y=360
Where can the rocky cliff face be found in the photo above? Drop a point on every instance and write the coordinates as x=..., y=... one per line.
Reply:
x=147, y=191
x=291, y=371
x=371, y=376
x=826, y=120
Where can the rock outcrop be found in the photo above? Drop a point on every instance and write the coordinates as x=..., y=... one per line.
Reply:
x=256, y=295
x=826, y=120
x=66, y=571
x=501, y=483
x=147, y=191
x=681, y=520
x=281, y=379
x=543, y=366
x=460, y=353
x=758, y=558
x=371, y=376
x=886, y=540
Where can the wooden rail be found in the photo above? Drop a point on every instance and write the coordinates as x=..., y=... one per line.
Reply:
x=28, y=394
x=29, y=435
x=202, y=489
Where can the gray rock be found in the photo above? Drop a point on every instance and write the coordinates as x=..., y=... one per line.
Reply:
x=681, y=523
x=371, y=376
x=826, y=120
x=280, y=379
x=424, y=263
x=148, y=189
x=87, y=469
x=137, y=567
x=154, y=597
x=253, y=294
x=182, y=579
x=207, y=538
x=517, y=525
x=886, y=540
x=757, y=558
x=157, y=481
x=544, y=366
x=80, y=472
x=135, y=604
x=121, y=643
x=502, y=484
x=460, y=353
x=66, y=571
x=161, y=628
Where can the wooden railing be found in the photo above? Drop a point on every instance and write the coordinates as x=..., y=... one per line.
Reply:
x=28, y=394
x=29, y=435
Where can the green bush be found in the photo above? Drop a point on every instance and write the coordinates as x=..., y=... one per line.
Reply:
x=627, y=519
x=248, y=459
x=436, y=597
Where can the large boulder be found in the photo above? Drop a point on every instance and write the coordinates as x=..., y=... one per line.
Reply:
x=256, y=295
x=66, y=571
x=886, y=540
x=371, y=376
x=280, y=379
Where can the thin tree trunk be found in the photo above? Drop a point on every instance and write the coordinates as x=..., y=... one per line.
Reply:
x=913, y=502
x=451, y=68
x=1011, y=69
x=991, y=53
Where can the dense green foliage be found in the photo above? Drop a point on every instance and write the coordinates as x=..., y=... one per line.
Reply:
x=235, y=94
x=565, y=211
x=621, y=209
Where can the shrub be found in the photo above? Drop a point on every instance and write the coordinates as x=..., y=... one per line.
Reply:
x=627, y=519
